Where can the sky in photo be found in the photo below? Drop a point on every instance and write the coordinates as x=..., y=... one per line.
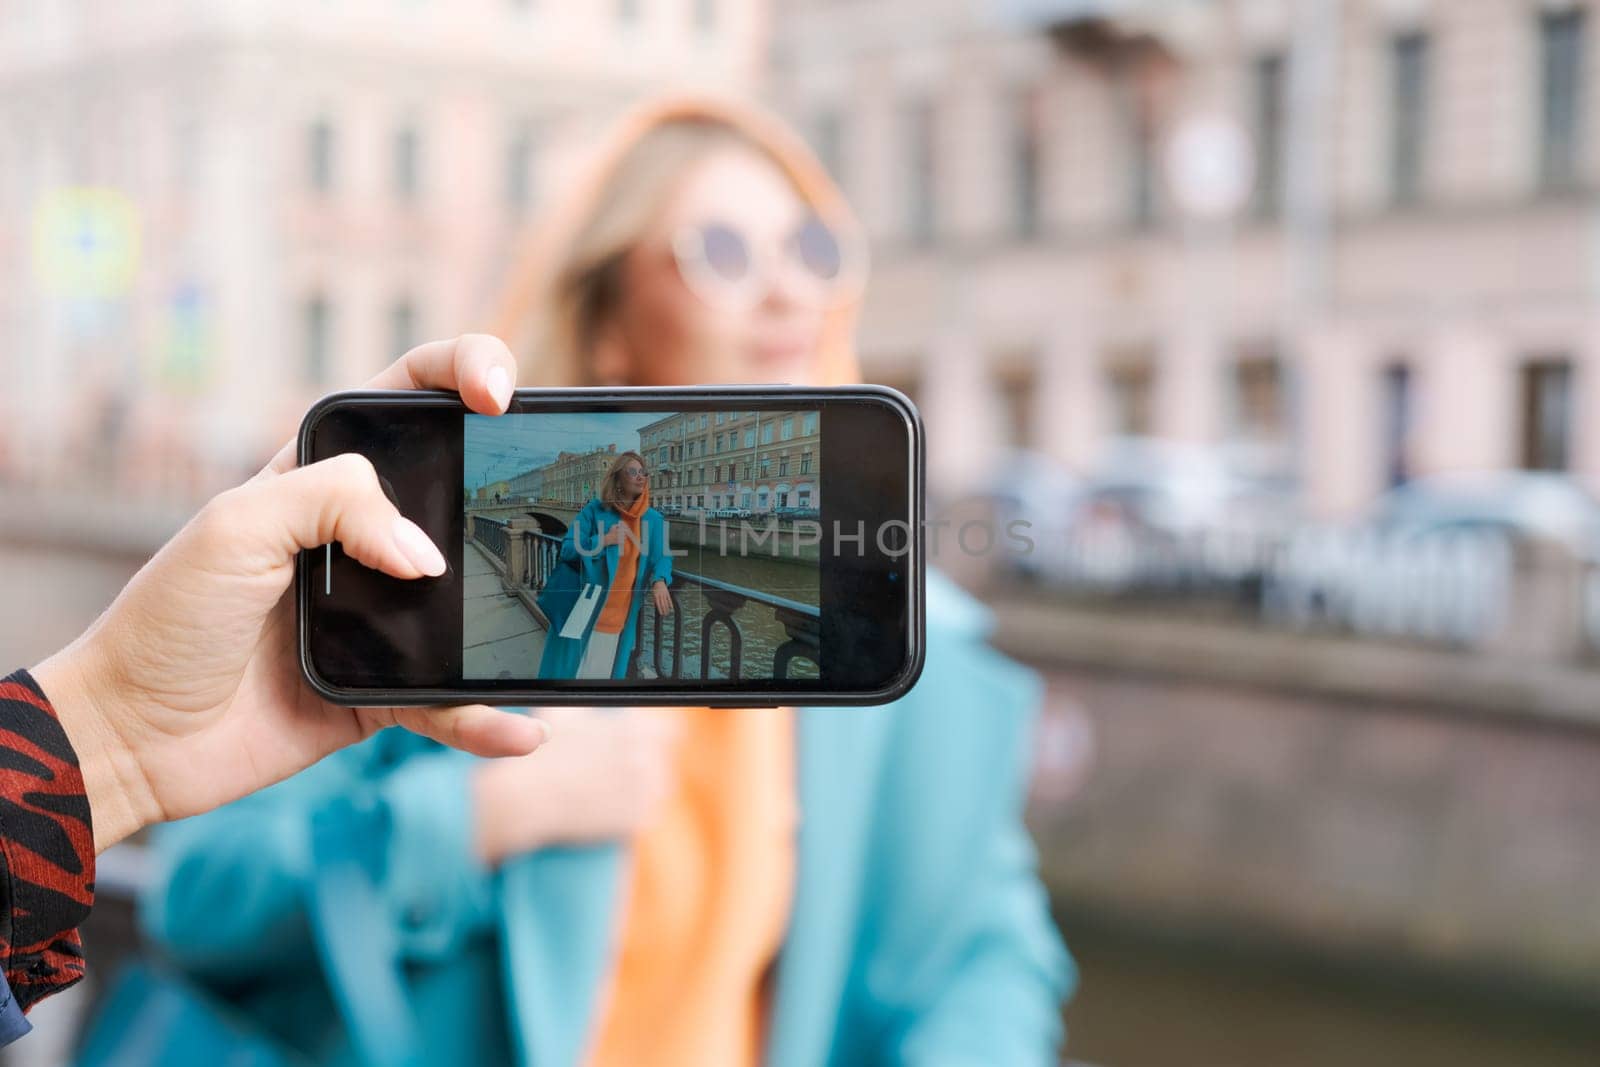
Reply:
x=498, y=448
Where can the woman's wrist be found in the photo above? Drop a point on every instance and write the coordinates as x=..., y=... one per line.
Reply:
x=120, y=799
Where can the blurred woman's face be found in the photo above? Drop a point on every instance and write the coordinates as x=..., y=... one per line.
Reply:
x=714, y=294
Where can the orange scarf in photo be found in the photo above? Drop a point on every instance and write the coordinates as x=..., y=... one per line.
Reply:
x=614, y=615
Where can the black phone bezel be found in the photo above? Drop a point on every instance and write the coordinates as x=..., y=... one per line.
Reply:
x=758, y=694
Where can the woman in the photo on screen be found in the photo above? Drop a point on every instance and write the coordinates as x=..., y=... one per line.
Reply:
x=683, y=887
x=615, y=550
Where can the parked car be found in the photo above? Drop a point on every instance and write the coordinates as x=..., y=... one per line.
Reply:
x=1037, y=491
x=1158, y=515
x=1433, y=559
x=1524, y=505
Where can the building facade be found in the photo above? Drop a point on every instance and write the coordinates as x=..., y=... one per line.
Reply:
x=1408, y=281
x=575, y=478
x=757, y=461
x=210, y=214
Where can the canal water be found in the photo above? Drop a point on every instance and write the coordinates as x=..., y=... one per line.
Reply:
x=1149, y=1000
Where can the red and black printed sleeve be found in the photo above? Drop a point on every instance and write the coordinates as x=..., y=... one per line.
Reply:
x=46, y=846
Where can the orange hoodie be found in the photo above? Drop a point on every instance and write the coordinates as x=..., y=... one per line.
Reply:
x=708, y=893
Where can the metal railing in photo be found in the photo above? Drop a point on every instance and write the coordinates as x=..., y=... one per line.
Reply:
x=541, y=555
x=491, y=534
x=801, y=624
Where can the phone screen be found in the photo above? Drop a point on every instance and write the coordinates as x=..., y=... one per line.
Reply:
x=749, y=546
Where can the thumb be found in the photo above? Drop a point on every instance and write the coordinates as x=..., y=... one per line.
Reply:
x=338, y=499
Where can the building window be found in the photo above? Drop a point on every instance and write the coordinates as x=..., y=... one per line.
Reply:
x=316, y=319
x=1258, y=399
x=402, y=329
x=1270, y=88
x=1547, y=415
x=407, y=162
x=1561, y=55
x=805, y=462
x=808, y=424
x=1409, y=117
x=719, y=418
x=749, y=439
x=519, y=167
x=1027, y=136
x=1017, y=383
x=921, y=211
x=766, y=434
x=788, y=429
x=1129, y=389
x=320, y=155
x=783, y=465
x=1397, y=399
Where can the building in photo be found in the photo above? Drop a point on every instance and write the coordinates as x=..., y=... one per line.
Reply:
x=757, y=461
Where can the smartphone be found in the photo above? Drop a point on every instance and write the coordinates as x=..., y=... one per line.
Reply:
x=738, y=546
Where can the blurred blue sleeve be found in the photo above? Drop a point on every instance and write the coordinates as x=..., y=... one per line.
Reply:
x=13, y=1024
x=229, y=898
x=973, y=971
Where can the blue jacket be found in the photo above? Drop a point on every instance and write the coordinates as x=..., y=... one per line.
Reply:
x=562, y=655
x=919, y=932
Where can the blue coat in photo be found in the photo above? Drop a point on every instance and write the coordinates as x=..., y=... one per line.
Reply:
x=562, y=655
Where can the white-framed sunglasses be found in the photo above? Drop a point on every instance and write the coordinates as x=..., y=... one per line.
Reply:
x=722, y=266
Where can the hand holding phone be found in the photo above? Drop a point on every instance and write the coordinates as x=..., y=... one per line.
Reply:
x=184, y=695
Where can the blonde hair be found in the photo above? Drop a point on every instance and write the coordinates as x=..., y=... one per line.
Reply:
x=611, y=494
x=570, y=279
x=587, y=287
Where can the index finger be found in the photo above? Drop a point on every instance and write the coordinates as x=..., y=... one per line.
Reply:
x=465, y=364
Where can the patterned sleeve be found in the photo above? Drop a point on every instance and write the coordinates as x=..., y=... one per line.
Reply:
x=46, y=846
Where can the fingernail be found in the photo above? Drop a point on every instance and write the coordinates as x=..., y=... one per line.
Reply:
x=416, y=547
x=499, y=383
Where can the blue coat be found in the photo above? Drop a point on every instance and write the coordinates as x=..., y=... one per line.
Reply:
x=562, y=655
x=919, y=931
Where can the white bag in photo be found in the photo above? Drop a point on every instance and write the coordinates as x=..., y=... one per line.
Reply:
x=577, y=623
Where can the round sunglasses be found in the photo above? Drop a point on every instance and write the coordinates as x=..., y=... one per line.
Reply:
x=722, y=265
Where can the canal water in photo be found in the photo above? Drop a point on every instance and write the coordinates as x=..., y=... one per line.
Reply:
x=760, y=630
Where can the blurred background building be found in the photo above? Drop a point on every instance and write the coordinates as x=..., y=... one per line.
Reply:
x=1276, y=320
x=1356, y=236
x=212, y=213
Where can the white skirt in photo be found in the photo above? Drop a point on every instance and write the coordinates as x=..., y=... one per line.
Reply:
x=599, y=656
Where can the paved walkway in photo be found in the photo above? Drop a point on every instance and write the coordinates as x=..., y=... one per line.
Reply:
x=501, y=638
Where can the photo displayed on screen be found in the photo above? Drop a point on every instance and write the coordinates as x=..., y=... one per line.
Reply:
x=642, y=545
